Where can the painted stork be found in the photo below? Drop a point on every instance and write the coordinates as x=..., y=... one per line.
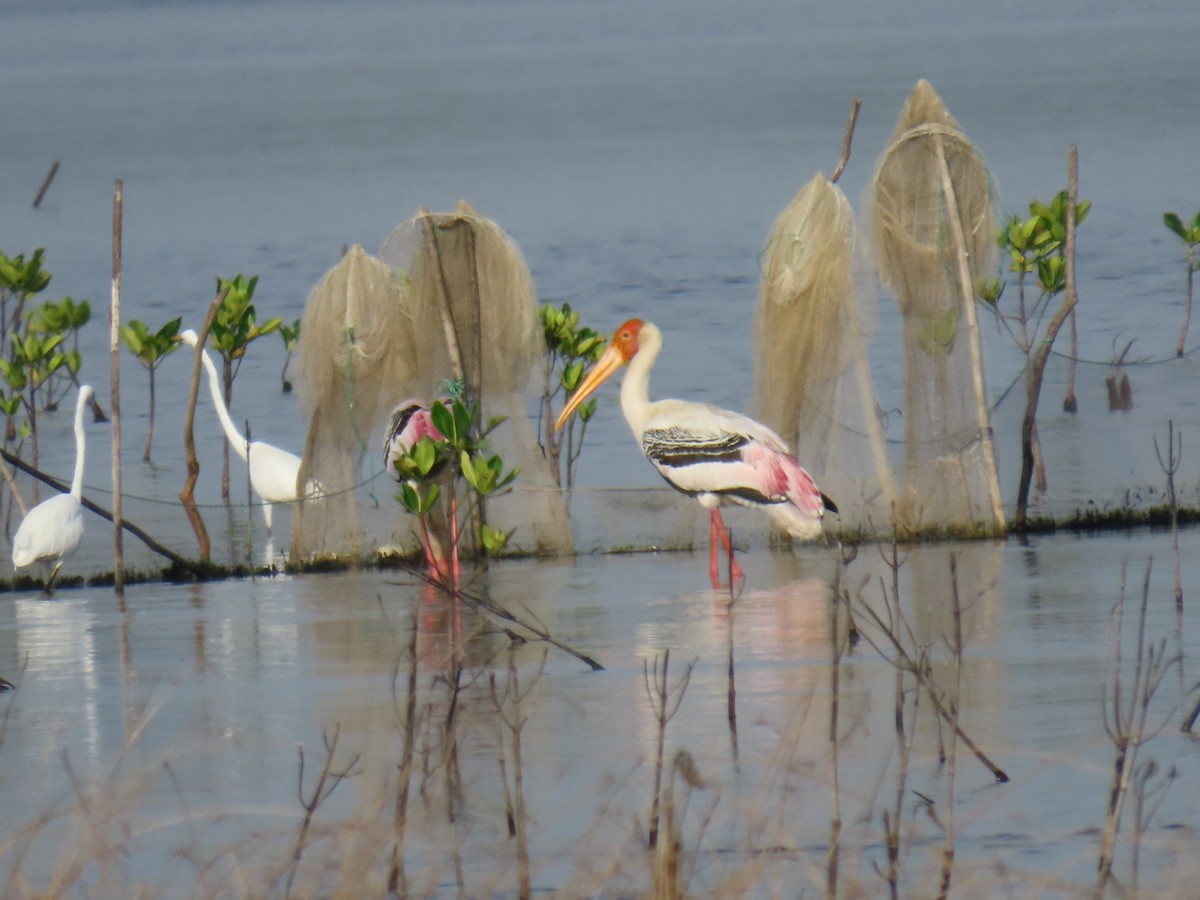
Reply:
x=52, y=530
x=411, y=421
x=714, y=455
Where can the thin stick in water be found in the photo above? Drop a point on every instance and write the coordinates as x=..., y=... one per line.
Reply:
x=114, y=347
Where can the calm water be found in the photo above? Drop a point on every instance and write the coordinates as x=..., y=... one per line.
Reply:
x=637, y=153
x=183, y=715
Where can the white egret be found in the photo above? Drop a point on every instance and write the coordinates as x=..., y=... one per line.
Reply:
x=273, y=472
x=52, y=529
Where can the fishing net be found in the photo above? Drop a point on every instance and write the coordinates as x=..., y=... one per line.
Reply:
x=356, y=354
x=475, y=323
x=933, y=229
x=813, y=383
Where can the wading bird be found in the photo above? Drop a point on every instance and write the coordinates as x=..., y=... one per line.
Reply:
x=711, y=454
x=52, y=529
x=411, y=421
x=273, y=472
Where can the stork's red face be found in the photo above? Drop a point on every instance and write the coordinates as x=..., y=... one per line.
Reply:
x=621, y=349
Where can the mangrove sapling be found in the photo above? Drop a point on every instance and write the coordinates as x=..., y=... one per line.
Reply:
x=664, y=702
x=235, y=327
x=1036, y=249
x=151, y=348
x=20, y=279
x=66, y=317
x=35, y=358
x=509, y=709
x=1127, y=715
x=291, y=338
x=571, y=351
x=1189, y=233
x=1055, y=265
x=461, y=451
x=327, y=782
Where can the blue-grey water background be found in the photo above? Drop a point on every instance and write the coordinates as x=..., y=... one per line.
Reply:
x=637, y=153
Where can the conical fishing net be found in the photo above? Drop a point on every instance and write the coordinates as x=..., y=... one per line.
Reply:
x=475, y=323
x=813, y=382
x=356, y=354
x=934, y=226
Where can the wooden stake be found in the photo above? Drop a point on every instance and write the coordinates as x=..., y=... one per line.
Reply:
x=37, y=201
x=114, y=347
x=851, y=121
x=187, y=493
x=968, y=297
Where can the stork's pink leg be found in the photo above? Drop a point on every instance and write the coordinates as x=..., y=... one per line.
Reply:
x=434, y=558
x=717, y=530
x=714, y=570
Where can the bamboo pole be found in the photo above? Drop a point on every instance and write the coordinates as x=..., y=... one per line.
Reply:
x=114, y=348
x=968, y=298
x=187, y=493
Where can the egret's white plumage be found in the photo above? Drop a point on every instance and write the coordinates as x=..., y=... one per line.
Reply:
x=273, y=472
x=712, y=454
x=53, y=529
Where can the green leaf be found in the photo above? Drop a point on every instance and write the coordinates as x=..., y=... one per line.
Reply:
x=441, y=418
x=572, y=375
x=410, y=498
x=467, y=467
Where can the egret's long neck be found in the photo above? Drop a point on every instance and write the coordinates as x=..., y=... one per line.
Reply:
x=236, y=439
x=80, y=447
x=635, y=389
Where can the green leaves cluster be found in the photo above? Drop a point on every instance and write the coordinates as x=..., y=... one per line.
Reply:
x=291, y=339
x=1034, y=245
x=571, y=350
x=151, y=348
x=463, y=453
x=1189, y=233
x=39, y=347
x=236, y=324
x=1034, y=248
x=20, y=277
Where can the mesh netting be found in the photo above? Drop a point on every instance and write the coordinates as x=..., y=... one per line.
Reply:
x=449, y=305
x=356, y=355
x=813, y=382
x=934, y=226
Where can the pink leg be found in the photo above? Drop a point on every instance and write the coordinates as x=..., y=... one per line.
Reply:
x=433, y=555
x=717, y=530
x=714, y=571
